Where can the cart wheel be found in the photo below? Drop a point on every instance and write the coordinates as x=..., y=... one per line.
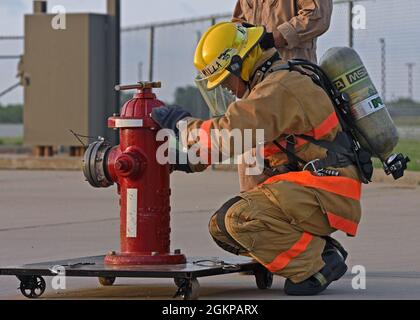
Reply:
x=263, y=278
x=192, y=290
x=188, y=289
x=179, y=282
x=106, y=281
x=32, y=287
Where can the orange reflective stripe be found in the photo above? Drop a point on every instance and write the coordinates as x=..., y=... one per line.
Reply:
x=273, y=149
x=284, y=258
x=342, y=186
x=322, y=130
x=205, y=134
x=342, y=224
x=268, y=151
x=326, y=127
x=205, y=141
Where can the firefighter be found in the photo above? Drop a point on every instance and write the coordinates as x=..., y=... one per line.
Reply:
x=286, y=221
x=293, y=27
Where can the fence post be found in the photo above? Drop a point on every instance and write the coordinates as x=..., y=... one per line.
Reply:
x=351, y=31
x=410, y=66
x=114, y=60
x=383, y=67
x=151, y=52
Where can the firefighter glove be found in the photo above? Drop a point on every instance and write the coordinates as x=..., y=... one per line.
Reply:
x=168, y=117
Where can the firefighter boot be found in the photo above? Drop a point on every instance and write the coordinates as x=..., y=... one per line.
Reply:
x=335, y=267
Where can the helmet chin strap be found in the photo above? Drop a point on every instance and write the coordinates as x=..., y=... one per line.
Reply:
x=235, y=68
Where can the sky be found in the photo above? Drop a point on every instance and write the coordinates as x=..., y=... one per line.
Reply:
x=133, y=11
x=395, y=20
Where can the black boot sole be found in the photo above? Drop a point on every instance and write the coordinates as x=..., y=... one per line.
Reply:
x=298, y=290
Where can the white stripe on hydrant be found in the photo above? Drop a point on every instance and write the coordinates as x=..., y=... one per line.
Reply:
x=131, y=213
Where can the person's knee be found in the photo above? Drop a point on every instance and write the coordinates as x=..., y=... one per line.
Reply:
x=213, y=228
x=223, y=214
x=217, y=223
x=219, y=230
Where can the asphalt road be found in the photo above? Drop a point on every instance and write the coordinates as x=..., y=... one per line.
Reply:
x=56, y=215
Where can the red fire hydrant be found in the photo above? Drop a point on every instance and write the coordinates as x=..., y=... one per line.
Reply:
x=143, y=183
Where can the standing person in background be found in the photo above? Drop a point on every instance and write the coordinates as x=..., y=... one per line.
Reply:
x=294, y=24
x=293, y=28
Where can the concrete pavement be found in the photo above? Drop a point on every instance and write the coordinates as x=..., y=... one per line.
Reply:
x=52, y=215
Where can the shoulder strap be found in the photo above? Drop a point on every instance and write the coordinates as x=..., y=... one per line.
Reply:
x=291, y=155
x=340, y=151
x=341, y=144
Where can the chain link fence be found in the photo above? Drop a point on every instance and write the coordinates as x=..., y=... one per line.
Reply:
x=388, y=45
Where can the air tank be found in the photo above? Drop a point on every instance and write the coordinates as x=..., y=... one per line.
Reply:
x=346, y=70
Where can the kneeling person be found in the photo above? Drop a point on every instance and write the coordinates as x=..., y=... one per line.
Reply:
x=285, y=222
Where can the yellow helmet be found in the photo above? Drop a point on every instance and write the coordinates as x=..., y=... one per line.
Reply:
x=226, y=48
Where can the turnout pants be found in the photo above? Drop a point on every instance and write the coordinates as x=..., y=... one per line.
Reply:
x=282, y=230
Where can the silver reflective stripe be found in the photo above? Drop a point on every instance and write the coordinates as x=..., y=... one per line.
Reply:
x=128, y=123
x=367, y=107
x=320, y=277
x=131, y=231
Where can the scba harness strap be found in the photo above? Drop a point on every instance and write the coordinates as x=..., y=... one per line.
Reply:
x=345, y=149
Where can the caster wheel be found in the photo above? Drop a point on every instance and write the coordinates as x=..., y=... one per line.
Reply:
x=106, y=281
x=192, y=290
x=263, y=278
x=32, y=287
x=188, y=289
x=179, y=282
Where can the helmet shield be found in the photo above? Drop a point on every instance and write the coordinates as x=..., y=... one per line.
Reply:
x=217, y=99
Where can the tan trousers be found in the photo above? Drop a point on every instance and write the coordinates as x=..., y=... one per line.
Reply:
x=281, y=226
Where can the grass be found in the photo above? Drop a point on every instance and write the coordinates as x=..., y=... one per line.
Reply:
x=410, y=148
x=407, y=121
x=11, y=141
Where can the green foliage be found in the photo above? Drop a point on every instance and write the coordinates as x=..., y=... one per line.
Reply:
x=11, y=141
x=407, y=121
x=404, y=103
x=125, y=96
x=11, y=113
x=190, y=99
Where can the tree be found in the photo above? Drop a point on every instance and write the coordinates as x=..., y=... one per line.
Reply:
x=190, y=99
x=12, y=113
x=125, y=96
x=405, y=102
